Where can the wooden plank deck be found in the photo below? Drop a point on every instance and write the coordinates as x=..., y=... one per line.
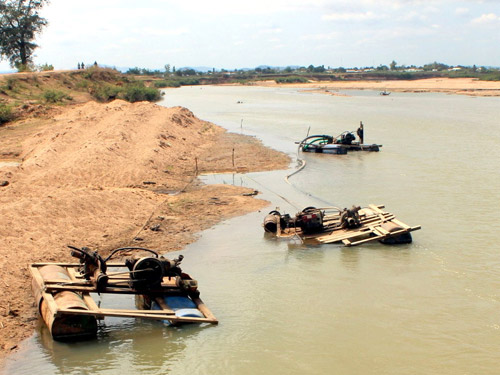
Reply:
x=372, y=220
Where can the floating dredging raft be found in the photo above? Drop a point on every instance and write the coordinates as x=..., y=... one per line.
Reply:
x=352, y=227
x=163, y=292
x=346, y=141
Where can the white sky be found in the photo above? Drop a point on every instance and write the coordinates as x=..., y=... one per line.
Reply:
x=244, y=34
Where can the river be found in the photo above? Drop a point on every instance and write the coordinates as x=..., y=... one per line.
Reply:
x=430, y=307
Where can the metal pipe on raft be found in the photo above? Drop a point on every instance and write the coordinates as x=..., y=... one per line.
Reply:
x=63, y=326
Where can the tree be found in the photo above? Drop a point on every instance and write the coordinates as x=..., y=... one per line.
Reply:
x=19, y=24
x=436, y=66
x=393, y=65
x=319, y=69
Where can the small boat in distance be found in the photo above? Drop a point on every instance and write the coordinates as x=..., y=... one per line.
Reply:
x=385, y=93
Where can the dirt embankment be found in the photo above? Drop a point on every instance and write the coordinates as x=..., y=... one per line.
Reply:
x=99, y=175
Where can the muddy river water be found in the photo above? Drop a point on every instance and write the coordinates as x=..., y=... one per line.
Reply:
x=430, y=307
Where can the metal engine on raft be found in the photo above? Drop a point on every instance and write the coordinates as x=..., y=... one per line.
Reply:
x=145, y=273
x=349, y=218
x=346, y=138
x=310, y=220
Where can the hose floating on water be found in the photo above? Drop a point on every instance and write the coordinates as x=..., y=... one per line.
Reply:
x=323, y=138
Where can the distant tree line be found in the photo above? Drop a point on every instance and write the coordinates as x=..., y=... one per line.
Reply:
x=170, y=77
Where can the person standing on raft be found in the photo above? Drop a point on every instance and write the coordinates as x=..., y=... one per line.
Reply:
x=360, y=132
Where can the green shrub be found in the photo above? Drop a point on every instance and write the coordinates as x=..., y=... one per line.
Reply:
x=490, y=76
x=46, y=67
x=105, y=92
x=94, y=73
x=166, y=83
x=138, y=92
x=294, y=79
x=6, y=114
x=177, y=82
x=10, y=83
x=187, y=81
x=55, y=96
x=83, y=84
x=30, y=67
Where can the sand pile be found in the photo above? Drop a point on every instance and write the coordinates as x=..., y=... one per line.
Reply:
x=96, y=145
x=98, y=176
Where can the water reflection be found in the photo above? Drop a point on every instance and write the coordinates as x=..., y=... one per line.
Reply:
x=135, y=346
x=140, y=346
x=350, y=258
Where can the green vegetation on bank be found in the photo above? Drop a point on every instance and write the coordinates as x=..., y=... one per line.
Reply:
x=291, y=79
x=176, y=82
x=21, y=94
x=6, y=114
x=55, y=96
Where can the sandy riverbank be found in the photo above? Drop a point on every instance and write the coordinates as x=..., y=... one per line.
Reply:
x=98, y=175
x=461, y=86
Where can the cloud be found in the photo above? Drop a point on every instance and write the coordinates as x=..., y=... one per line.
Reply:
x=461, y=11
x=231, y=7
x=486, y=19
x=150, y=31
x=326, y=36
x=352, y=16
x=272, y=30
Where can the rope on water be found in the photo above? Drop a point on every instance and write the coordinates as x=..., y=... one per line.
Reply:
x=272, y=191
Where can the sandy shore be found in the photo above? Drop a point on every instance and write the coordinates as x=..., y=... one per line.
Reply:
x=99, y=175
x=461, y=86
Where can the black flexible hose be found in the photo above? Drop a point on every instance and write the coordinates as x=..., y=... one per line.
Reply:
x=130, y=248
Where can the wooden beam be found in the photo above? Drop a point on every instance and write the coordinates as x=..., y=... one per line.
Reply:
x=49, y=299
x=112, y=290
x=164, y=307
x=377, y=208
x=342, y=234
x=205, y=310
x=278, y=225
x=144, y=314
x=400, y=223
x=375, y=238
x=87, y=298
x=72, y=264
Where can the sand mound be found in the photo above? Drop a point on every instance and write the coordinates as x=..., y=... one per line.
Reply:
x=97, y=176
x=96, y=145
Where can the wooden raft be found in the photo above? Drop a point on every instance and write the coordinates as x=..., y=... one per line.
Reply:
x=45, y=289
x=376, y=225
